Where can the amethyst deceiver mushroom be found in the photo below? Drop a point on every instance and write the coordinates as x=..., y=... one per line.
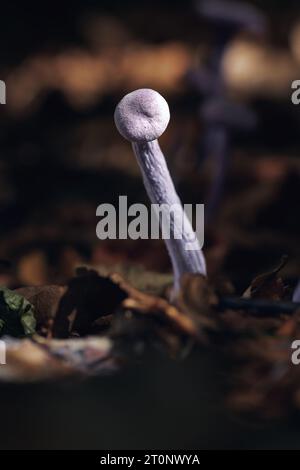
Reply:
x=141, y=117
x=222, y=116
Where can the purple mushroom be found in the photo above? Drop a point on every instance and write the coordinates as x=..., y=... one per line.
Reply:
x=141, y=117
x=222, y=116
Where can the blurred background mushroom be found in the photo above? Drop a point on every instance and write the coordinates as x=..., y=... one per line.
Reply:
x=221, y=114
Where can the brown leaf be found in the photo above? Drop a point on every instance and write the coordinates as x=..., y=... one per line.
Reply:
x=268, y=285
x=149, y=304
x=87, y=298
x=45, y=300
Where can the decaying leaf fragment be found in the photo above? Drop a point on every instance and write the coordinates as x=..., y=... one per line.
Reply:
x=146, y=303
x=87, y=298
x=45, y=300
x=17, y=316
x=268, y=285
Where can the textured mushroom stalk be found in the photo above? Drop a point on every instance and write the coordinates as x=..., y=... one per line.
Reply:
x=141, y=117
x=296, y=294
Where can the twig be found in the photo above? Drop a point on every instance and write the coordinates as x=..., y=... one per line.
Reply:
x=262, y=307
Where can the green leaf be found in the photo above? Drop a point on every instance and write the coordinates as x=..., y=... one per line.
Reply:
x=16, y=314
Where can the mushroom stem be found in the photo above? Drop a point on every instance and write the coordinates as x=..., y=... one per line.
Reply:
x=217, y=139
x=161, y=190
x=296, y=294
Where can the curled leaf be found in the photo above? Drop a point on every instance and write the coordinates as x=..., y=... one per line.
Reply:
x=87, y=298
x=268, y=285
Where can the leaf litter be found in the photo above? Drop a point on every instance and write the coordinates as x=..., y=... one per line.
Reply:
x=96, y=324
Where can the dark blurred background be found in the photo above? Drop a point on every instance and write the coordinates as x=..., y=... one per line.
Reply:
x=233, y=143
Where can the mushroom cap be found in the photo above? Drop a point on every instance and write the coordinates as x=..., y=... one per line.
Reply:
x=142, y=115
x=233, y=14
